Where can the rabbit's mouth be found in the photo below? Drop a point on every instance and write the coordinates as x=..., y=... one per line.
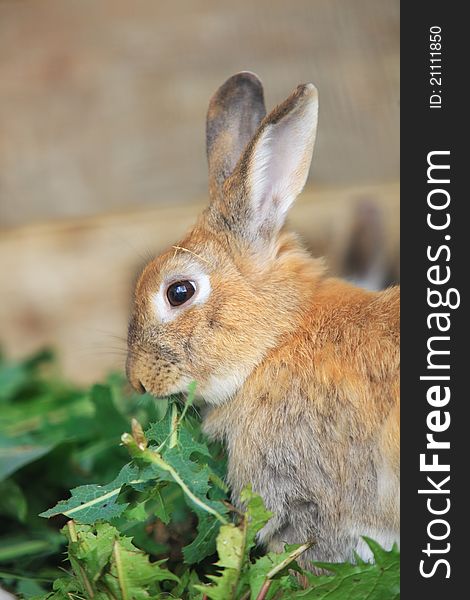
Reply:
x=154, y=375
x=160, y=377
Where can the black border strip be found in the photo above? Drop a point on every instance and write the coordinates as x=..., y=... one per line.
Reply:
x=424, y=130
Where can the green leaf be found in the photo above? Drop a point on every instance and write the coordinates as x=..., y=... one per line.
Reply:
x=257, y=516
x=93, y=547
x=136, y=513
x=12, y=500
x=196, y=479
x=15, y=376
x=91, y=503
x=160, y=431
x=189, y=582
x=193, y=475
x=131, y=573
x=233, y=547
x=159, y=509
x=230, y=548
x=103, y=560
x=65, y=587
x=16, y=547
x=12, y=378
x=188, y=445
x=20, y=547
x=106, y=411
x=366, y=581
x=14, y=456
x=205, y=542
x=29, y=588
x=258, y=571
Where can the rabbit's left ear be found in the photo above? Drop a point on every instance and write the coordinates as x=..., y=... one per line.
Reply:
x=274, y=168
x=235, y=111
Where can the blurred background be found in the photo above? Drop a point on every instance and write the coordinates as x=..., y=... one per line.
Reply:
x=102, y=148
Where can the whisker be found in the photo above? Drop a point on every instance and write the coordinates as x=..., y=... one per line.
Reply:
x=191, y=252
x=145, y=254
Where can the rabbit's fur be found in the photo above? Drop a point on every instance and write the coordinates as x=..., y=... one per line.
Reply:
x=300, y=371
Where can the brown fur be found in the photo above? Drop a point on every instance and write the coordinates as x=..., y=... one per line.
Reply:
x=311, y=418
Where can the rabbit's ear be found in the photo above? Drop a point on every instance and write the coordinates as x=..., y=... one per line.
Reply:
x=235, y=111
x=275, y=166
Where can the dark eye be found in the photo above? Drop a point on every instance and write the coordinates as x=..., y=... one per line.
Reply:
x=180, y=292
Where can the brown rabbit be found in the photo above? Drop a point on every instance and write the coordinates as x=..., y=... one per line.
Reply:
x=300, y=371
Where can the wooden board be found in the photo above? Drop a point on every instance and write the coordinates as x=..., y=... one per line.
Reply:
x=103, y=102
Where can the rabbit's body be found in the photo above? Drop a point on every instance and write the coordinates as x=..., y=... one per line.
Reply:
x=300, y=371
x=314, y=426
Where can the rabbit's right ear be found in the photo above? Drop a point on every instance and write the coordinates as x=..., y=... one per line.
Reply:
x=271, y=172
x=235, y=111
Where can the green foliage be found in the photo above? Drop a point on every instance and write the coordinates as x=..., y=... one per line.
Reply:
x=363, y=581
x=53, y=437
x=92, y=503
x=162, y=527
x=107, y=565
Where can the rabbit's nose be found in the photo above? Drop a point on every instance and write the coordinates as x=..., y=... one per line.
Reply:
x=133, y=376
x=138, y=386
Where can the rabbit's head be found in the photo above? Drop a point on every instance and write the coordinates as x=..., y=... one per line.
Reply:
x=212, y=306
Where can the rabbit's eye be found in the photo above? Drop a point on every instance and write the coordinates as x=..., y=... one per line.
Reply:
x=180, y=292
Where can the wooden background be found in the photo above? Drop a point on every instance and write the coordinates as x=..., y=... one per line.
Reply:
x=102, y=157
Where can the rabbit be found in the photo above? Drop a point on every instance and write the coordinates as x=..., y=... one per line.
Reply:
x=299, y=371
